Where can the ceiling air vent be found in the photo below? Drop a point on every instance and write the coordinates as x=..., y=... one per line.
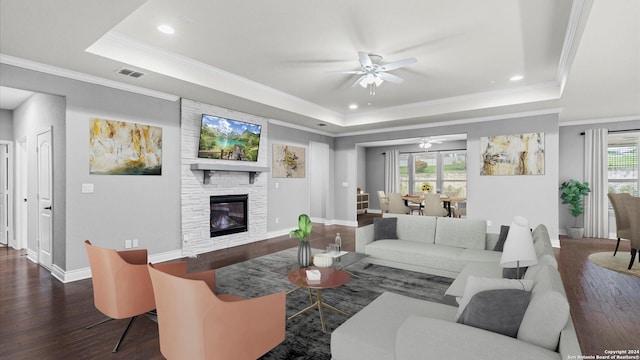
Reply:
x=129, y=72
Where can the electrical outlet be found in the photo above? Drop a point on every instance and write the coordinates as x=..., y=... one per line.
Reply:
x=127, y=244
x=277, y=220
x=488, y=222
x=135, y=243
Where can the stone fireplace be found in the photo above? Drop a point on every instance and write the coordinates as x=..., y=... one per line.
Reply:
x=205, y=179
x=228, y=214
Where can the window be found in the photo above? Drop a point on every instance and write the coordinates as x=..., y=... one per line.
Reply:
x=623, y=163
x=454, y=173
x=445, y=171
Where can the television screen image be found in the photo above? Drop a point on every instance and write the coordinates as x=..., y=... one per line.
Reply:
x=226, y=139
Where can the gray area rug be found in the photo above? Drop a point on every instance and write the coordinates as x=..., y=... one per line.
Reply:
x=304, y=337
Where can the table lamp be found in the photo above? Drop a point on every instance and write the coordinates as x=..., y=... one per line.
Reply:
x=518, y=247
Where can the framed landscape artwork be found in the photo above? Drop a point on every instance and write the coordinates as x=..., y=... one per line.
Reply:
x=288, y=161
x=123, y=148
x=519, y=154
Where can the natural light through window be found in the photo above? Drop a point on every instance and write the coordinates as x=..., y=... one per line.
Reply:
x=445, y=171
x=623, y=163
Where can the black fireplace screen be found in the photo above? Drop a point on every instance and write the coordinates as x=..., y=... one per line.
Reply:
x=228, y=214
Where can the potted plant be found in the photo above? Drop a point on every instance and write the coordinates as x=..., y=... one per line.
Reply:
x=302, y=233
x=572, y=193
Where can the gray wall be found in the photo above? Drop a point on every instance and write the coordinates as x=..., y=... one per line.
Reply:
x=122, y=207
x=572, y=158
x=494, y=198
x=6, y=125
x=292, y=196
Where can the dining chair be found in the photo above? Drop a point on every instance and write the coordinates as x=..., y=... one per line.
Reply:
x=459, y=209
x=194, y=323
x=433, y=205
x=384, y=201
x=121, y=284
x=623, y=227
x=397, y=204
x=633, y=207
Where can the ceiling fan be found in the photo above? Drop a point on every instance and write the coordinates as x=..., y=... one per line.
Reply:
x=374, y=73
x=428, y=142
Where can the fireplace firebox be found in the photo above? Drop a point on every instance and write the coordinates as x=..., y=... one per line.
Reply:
x=228, y=214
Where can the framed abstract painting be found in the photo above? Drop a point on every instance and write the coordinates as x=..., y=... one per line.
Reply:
x=124, y=148
x=519, y=154
x=288, y=161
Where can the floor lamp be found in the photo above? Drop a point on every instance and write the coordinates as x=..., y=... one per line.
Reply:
x=518, y=248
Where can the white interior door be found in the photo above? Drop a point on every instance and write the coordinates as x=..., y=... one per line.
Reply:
x=45, y=199
x=21, y=208
x=5, y=225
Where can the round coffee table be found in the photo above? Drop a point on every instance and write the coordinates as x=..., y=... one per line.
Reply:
x=329, y=278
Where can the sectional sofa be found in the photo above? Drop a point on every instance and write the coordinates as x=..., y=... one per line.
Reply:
x=403, y=328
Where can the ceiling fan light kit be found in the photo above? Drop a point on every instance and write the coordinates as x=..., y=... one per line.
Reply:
x=373, y=73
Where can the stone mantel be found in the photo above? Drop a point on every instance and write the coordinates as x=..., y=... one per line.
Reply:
x=208, y=167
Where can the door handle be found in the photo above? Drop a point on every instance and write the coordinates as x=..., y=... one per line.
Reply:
x=48, y=208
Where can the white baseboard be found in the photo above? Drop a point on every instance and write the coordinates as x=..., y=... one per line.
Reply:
x=32, y=255
x=282, y=232
x=85, y=273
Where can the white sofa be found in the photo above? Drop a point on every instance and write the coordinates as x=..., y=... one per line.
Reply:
x=398, y=327
x=434, y=245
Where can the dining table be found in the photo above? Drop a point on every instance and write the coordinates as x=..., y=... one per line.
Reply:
x=446, y=201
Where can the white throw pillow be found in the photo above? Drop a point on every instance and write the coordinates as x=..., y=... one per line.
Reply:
x=477, y=284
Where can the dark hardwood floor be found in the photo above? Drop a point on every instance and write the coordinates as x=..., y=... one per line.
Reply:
x=42, y=318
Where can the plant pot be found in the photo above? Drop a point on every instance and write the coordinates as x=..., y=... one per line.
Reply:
x=304, y=253
x=575, y=232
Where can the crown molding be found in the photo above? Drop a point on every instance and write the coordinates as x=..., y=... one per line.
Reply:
x=455, y=122
x=601, y=120
x=74, y=75
x=577, y=18
x=300, y=127
x=118, y=47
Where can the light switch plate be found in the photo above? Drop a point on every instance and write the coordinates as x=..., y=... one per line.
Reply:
x=87, y=188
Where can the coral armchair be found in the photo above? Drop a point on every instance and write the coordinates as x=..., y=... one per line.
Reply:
x=121, y=284
x=195, y=323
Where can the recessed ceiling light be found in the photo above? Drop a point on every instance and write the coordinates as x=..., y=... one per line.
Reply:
x=166, y=29
x=353, y=106
x=516, y=78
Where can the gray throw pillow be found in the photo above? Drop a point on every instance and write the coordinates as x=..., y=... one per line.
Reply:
x=385, y=228
x=499, y=311
x=504, y=231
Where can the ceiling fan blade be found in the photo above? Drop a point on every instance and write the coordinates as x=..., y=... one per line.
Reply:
x=360, y=72
x=365, y=60
x=398, y=64
x=390, y=78
x=358, y=82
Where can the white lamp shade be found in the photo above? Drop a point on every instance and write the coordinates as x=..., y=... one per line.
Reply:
x=518, y=250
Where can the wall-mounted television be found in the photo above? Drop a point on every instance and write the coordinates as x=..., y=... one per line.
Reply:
x=227, y=139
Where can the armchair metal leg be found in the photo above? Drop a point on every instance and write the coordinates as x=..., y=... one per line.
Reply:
x=617, y=244
x=633, y=257
x=115, y=349
x=99, y=323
